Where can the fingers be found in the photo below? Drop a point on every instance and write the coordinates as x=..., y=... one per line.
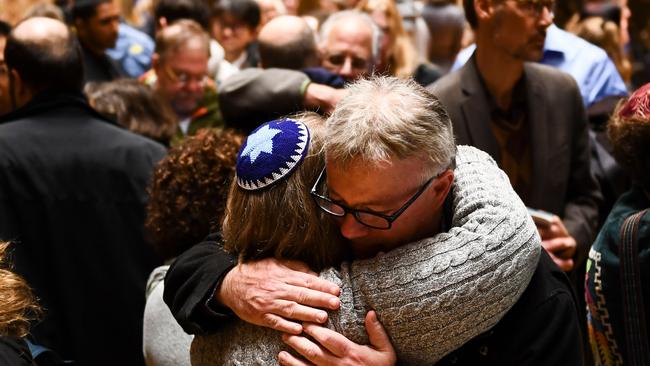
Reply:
x=279, y=323
x=376, y=332
x=314, y=283
x=565, y=265
x=334, y=342
x=564, y=247
x=309, y=350
x=286, y=359
x=309, y=297
x=555, y=230
x=295, y=311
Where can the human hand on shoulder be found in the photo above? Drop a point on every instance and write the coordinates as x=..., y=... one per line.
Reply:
x=276, y=293
x=335, y=349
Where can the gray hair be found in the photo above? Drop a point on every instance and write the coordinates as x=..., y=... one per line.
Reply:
x=326, y=28
x=384, y=118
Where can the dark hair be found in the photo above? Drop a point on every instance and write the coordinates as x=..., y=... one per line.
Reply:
x=296, y=54
x=470, y=13
x=248, y=11
x=135, y=106
x=5, y=29
x=54, y=64
x=86, y=9
x=187, y=195
x=174, y=10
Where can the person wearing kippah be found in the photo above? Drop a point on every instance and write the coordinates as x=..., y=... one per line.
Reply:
x=440, y=248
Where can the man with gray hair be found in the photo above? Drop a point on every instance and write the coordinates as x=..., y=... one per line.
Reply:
x=393, y=176
x=349, y=44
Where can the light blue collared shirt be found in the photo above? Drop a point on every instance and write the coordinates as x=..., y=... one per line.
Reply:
x=132, y=51
x=589, y=65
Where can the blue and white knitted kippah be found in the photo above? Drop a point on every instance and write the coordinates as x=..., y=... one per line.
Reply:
x=271, y=152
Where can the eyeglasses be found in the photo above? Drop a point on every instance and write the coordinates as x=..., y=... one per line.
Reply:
x=355, y=62
x=371, y=219
x=536, y=8
x=183, y=79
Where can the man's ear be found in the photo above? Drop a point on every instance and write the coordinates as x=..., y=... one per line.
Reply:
x=20, y=93
x=442, y=186
x=483, y=9
x=162, y=22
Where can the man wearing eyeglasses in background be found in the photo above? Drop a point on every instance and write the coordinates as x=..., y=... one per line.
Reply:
x=180, y=75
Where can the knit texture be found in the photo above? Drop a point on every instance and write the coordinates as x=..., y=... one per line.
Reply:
x=433, y=295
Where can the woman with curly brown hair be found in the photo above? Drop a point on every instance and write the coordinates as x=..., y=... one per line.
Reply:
x=187, y=198
x=17, y=307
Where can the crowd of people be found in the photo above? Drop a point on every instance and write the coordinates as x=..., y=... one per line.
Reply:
x=333, y=182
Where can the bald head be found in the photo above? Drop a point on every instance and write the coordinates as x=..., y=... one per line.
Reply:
x=287, y=42
x=45, y=33
x=45, y=55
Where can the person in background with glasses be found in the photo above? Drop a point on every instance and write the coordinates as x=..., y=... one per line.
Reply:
x=180, y=75
x=394, y=173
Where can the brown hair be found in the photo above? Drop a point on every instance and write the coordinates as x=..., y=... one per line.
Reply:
x=403, y=59
x=17, y=304
x=189, y=190
x=283, y=221
x=629, y=134
x=135, y=106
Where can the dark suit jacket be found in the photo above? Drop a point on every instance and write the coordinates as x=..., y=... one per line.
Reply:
x=562, y=179
x=72, y=197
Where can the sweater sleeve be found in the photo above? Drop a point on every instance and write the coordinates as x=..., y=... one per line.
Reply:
x=434, y=295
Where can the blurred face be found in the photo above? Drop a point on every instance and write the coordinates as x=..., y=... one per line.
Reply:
x=383, y=189
x=232, y=34
x=348, y=49
x=100, y=31
x=518, y=27
x=388, y=37
x=5, y=98
x=182, y=76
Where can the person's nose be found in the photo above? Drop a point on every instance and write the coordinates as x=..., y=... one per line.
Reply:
x=346, y=69
x=546, y=16
x=194, y=85
x=351, y=228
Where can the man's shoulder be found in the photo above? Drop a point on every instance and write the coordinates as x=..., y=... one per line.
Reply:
x=447, y=84
x=86, y=130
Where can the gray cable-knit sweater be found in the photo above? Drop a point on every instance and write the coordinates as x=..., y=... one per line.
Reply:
x=433, y=295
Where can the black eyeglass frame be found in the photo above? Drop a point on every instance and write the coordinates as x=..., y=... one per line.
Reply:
x=355, y=213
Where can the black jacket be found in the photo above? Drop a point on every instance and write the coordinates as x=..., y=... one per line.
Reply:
x=541, y=329
x=72, y=196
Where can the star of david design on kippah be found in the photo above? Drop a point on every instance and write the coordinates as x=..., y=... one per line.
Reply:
x=271, y=152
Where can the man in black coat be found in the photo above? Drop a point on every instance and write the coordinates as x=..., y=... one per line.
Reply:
x=97, y=24
x=72, y=196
